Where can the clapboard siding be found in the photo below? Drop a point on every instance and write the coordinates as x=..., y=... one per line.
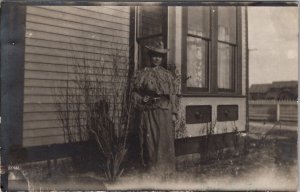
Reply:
x=106, y=75
x=32, y=65
x=45, y=125
x=44, y=83
x=62, y=68
x=53, y=83
x=71, y=53
x=57, y=39
x=39, y=107
x=50, y=99
x=38, y=116
x=88, y=11
x=57, y=91
x=60, y=76
x=107, y=9
x=50, y=58
x=43, y=132
x=74, y=14
x=72, y=25
x=75, y=33
x=40, y=35
x=46, y=109
x=36, y=141
x=41, y=125
x=74, y=47
x=33, y=74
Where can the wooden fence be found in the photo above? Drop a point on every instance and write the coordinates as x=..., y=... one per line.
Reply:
x=273, y=110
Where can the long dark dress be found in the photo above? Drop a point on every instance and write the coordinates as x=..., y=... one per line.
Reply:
x=156, y=127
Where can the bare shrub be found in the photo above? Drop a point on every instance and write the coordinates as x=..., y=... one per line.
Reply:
x=95, y=106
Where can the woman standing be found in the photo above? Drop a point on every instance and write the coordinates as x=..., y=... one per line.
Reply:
x=155, y=95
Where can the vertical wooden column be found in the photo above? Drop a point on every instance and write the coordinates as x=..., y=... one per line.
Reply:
x=12, y=82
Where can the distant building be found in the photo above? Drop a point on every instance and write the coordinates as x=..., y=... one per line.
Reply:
x=259, y=91
x=278, y=90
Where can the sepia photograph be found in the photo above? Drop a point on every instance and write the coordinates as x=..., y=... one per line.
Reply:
x=149, y=96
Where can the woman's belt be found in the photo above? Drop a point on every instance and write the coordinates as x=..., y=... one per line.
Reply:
x=158, y=97
x=155, y=101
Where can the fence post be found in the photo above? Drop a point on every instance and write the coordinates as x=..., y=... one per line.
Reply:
x=278, y=111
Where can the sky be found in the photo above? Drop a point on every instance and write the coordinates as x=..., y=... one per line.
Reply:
x=273, y=44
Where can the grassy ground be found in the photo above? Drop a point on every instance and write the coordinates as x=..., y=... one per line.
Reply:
x=270, y=163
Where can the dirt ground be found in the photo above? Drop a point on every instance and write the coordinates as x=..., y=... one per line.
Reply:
x=269, y=163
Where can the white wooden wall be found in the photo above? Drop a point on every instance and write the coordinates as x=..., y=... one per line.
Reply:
x=55, y=37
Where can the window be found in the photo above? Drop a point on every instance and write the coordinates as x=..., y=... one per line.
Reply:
x=151, y=25
x=226, y=47
x=198, y=41
x=210, y=41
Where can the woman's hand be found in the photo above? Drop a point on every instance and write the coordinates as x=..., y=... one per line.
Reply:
x=174, y=117
x=146, y=99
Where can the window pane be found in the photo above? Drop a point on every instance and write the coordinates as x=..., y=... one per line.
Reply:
x=197, y=60
x=225, y=66
x=150, y=20
x=227, y=24
x=198, y=21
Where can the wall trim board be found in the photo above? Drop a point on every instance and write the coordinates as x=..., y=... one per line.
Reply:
x=183, y=146
x=211, y=143
x=44, y=152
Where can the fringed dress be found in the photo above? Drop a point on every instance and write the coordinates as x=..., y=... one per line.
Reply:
x=156, y=126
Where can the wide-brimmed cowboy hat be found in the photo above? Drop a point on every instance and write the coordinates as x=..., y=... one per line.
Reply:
x=157, y=47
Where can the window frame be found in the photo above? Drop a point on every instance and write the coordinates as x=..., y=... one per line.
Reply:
x=212, y=65
x=185, y=34
x=233, y=69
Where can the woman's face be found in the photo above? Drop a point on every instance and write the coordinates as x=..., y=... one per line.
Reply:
x=156, y=59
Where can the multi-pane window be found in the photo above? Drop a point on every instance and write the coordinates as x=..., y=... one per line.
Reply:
x=198, y=41
x=226, y=47
x=209, y=49
x=209, y=45
x=152, y=25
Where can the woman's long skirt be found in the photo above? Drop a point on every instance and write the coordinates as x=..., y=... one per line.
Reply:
x=157, y=140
